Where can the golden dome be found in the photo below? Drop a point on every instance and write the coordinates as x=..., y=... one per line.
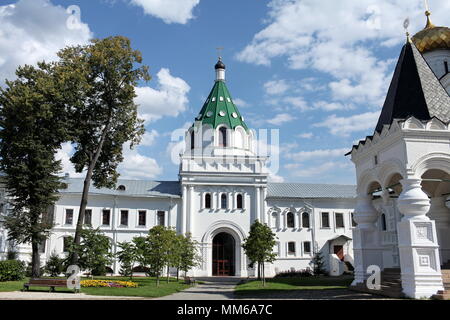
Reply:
x=432, y=37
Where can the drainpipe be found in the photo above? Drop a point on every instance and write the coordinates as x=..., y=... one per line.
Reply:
x=114, y=231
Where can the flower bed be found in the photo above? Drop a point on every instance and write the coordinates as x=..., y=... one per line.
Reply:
x=108, y=283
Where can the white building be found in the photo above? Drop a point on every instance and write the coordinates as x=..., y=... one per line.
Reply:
x=222, y=188
x=403, y=175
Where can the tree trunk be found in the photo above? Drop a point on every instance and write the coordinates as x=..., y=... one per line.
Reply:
x=157, y=280
x=263, y=274
x=259, y=271
x=178, y=274
x=168, y=274
x=35, y=258
x=85, y=194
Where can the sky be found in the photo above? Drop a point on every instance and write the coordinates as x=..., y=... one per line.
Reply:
x=315, y=70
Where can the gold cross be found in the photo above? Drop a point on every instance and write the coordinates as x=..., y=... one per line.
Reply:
x=219, y=51
x=427, y=7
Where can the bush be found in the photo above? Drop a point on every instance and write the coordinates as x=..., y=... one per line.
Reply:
x=54, y=265
x=294, y=273
x=12, y=270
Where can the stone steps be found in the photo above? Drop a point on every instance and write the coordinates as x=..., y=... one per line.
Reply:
x=390, y=286
x=444, y=294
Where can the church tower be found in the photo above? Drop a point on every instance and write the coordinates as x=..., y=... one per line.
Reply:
x=223, y=181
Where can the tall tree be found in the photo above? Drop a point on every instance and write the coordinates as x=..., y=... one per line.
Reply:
x=127, y=257
x=103, y=76
x=258, y=246
x=32, y=127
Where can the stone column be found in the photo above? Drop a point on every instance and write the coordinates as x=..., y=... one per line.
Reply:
x=190, y=225
x=440, y=213
x=417, y=242
x=365, y=238
x=184, y=210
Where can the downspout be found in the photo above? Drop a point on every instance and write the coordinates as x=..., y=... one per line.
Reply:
x=114, y=231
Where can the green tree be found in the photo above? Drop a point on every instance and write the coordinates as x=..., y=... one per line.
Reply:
x=159, y=243
x=318, y=264
x=54, y=265
x=142, y=253
x=103, y=76
x=32, y=128
x=189, y=256
x=94, y=251
x=127, y=257
x=258, y=246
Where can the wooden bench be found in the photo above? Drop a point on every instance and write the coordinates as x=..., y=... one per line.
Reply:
x=51, y=283
x=189, y=280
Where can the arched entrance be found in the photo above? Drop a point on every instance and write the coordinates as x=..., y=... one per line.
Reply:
x=223, y=255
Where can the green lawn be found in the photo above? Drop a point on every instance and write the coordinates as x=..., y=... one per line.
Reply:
x=295, y=283
x=147, y=287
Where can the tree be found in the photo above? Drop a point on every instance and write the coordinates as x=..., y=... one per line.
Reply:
x=159, y=244
x=258, y=246
x=127, y=257
x=94, y=251
x=54, y=265
x=32, y=128
x=318, y=264
x=100, y=78
x=142, y=256
x=188, y=254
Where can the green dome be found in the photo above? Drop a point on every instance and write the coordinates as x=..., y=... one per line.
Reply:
x=219, y=109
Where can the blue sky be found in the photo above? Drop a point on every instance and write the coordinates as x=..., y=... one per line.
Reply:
x=317, y=70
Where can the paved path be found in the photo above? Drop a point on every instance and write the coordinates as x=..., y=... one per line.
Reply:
x=29, y=295
x=213, y=288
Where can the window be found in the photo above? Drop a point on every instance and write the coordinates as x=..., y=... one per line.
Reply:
x=290, y=220
x=66, y=244
x=124, y=217
x=88, y=217
x=446, y=67
x=339, y=220
x=192, y=140
x=325, y=220
x=383, y=222
x=161, y=218
x=223, y=201
x=305, y=220
x=354, y=224
x=208, y=201
x=306, y=247
x=239, y=203
x=291, y=247
x=223, y=137
x=69, y=216
x=121, y=188
x=106, y=217
x=375, y=160
x=142, y=217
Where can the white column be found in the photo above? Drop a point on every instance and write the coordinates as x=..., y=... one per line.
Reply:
x=264, y=217
x=296, y=214
x=258, y=205
x=417, y=241
x=190, y=225
x=441, y=215
x=184, y=210
x=365, y=238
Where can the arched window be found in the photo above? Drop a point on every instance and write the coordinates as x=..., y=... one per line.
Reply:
x=208, y=201
x=223, y=137
x=305, y=220
x=192, y=140
x=290, y=220
x=239, y=203
x=383, y=222
x=223, y=201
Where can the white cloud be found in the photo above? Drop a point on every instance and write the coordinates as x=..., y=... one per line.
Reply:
x=340, y=39
x=170, y=11
x=134, y=165
x=240, y=103
x=306, y=135
x=318, y=170
x=168, y=99
x=149, y=138
x=275, y=87
x=280, y=119
x=138, y=166
x=34, y=30
x=343, y=126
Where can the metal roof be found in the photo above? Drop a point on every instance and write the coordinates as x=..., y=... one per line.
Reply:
x=148, y=188
x=136, y=188
x=310, y=191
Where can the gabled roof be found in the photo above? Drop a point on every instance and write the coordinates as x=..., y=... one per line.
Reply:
x=310, y=191
x=414, y=91
x=134, y=188
x=219, y=108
